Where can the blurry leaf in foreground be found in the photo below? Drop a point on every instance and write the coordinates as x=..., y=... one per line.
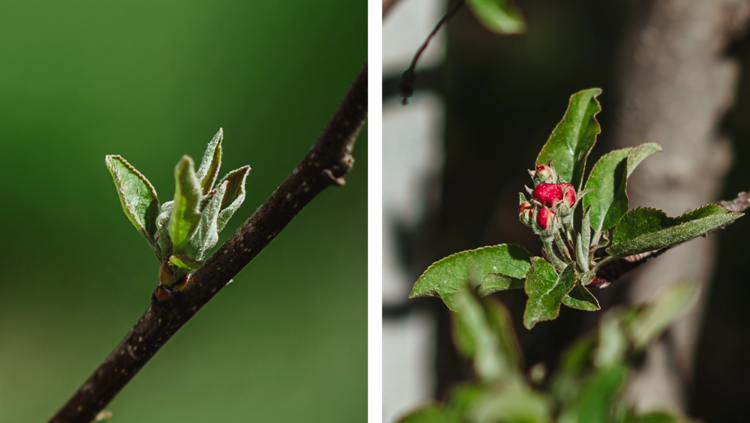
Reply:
x=430, y=414
x=654, y=318
x=498, y=16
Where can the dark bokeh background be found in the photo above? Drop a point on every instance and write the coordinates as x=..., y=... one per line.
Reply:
x=153, y=80
x=503, y=96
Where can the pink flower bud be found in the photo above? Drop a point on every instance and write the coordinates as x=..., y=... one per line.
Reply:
x=526, y=213
x=548, y=194
x=569, y=193
x=545, y=217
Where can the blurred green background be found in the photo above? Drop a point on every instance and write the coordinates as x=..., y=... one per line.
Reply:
x=151, y=81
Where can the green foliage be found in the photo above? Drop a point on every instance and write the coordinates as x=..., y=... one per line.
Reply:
x=451, y=274
x=587, y=384
x=609, y=200
x=546, y=290
x=573, y=255
x=645, y=229
x=182, y=231
x=573, y=138
x=137, y=196
x=498, y=16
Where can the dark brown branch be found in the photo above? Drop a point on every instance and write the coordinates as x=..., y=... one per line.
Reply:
x=613, y=271
x=408, y=78
x=325, y=164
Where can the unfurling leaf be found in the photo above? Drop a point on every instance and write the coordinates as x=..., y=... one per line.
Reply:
x=187, y=198
x=451, y=274
x=572, y=140
x=137, y=196
x=546, y=291
x=235, y=195
x=645, y=229
x=185, y=262
x=211, y=163
x=207, y=234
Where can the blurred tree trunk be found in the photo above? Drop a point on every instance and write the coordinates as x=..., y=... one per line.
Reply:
x=676, y=85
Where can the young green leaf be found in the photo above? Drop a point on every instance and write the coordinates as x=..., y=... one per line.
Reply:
x=431, y=414
x=207, y=234
x=572, y=140
x=581, y=298
x=546, y=291
x=451, y=274
x=211, y=163
x=645, y=229
x=235, y=195
x=498, y=16
x=186, y=262
x=187, y=198
x=609, y=200
x=594, y=403
x=137, y=196
x=494, y=282
x=609, y=180
x=163, y=245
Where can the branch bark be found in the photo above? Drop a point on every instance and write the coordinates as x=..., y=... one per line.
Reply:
x=326, y=164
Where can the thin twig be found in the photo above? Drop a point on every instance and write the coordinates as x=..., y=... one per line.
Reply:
x=325, y=164
x=408, y=78
x=614, y=270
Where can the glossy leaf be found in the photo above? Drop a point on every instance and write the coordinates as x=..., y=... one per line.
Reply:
x=646, y=229
x=207, y=234
x=572, y=140
x=494, y=282
x=451, y=274
x=185, y=212
x=498, y=16
x=546, y=291
x=234, y=197
x=653, y=319
x=211, y=163
x=137, y=196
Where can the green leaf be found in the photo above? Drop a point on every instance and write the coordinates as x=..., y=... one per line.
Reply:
x=187, y=198
x=494, y=282
x=609, y=180
x=653, y=319
x=186, y=262
x=514, y=404
x=211, y=163
x=430, y=414
x=609, y=200
x=595, y=399
x=645, y=229
x=235, y=195
x=475, y=338
x=501, y=325
x=613, y=344
x=580, y=297
x=207, y=234
x=546, y=291
x=572, y=140
x=639, y=153
x=163, y=245
x=498, y=16
x=451, y=274
x=137, y=196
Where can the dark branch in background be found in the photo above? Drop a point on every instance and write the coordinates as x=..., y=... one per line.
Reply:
x=613, y=271
x=325, y=164
x=408, y=78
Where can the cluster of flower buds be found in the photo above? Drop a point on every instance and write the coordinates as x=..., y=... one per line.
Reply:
x=552, y=202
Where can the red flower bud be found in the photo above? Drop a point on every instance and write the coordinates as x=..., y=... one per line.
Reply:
x=548, y=194
x=545, y=217
x=569, y=194
x=544, y=173
x=526, y=213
